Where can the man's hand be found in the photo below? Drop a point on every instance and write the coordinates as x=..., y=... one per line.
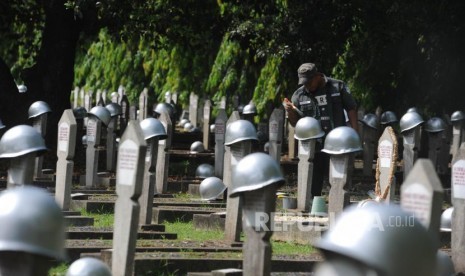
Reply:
x=287, y=105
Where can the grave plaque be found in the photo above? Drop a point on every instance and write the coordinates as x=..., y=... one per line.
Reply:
x=67, y=129
x=220, y=130
x=422, y=194
x=386, y=165
x=458, y=215
x=131, y=154
x=206, y=124
x=163, y=155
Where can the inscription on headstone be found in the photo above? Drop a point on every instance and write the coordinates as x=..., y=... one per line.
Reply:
x=386, y=165
x=458, y=215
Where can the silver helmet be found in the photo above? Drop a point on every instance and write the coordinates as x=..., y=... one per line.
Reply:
x=79, y=112
x=249, y=109
x=197, y=147
x=22, y=88
x=388, y=117
x=238, y=131
x=212, y=128
x=211, y=188
x=183, y=122
x=84, y=139
x=100, y=113
x=370, y=236
x=164, y=107
x=457, y=116
x=410, y=120
x=35, y=223
x=342, y=140
x=308, y=128
x=115, y=109
x=446, y=220
x=152, y=127
x=38, y=108
x=413, y=109
x=435, y=124
x=205, y=170
x=2, y=125
x=88, y=266
x=21, y=140
x=255, y=171
x=188, y=126
x=370, y=120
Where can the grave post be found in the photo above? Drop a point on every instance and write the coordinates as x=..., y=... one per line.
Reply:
x=370, y=135
x=67, y=130
x=206, y=123
x=193, y=105
x=386, y=165
x=411, y=142
x=75, y=97
x=305, y=173
x=131, y=154
x=458, y=137
x=291, y=141
x=38, y=112
x=422, y=194
x=94, y=126
x=143, y=102
x=227, y=151
x=458, y=215
x=220, y=130
x=163, y=155
x=276, y=130
x=153, y=131
x=87, y=105
x=239, y=136
x=124, y=118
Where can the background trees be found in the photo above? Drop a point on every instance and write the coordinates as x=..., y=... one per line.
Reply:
x=392, y=53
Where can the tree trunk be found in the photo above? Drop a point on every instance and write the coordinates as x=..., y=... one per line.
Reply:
x=51, y=78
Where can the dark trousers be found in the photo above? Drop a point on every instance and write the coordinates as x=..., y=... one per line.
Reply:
x=320, y=172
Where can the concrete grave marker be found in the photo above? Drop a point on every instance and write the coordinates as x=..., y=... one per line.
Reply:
x=206, y=123
x=220, y=130
x=81, y=97
x=458, y=136
x=143, y=104
x=76, y=97
x=115, y=97
x=386, y=165
x=422, y=194
x=67, y=129
x=163, y=155
x=39, y=122
x=340, y=178
x=193, y=108
x=133, y=113
x=111, y=144
x=131, y=154
x=411, y=141
x=276, y=131
x=223, y=102
x=305, y=174
x=227, y=169
x=167, y=97
x=87, y=104
x=370, y=135
x=94, y=126
x=98, y=98
x=291, y=141
x=174, y=97
x=124, y=118
x=458, y=215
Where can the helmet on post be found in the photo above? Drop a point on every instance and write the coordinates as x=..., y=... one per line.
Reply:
x=342, y=140
x=197, y=147
x=255, y=171
x=21, y=140
x=152, y=127
x=211, y=188
x=249, y=109
x=88, y=266
x=38, y=108
x=2, y=125
x=79, y=112
x=388, y=117
x=35, y=223
x=410, y=120
x=308, y=128
x=435, y=124
x=188, y=127
x=457, y=116
x=382, y=237
x=240, y=130
x=413, y=109
x=446, y=220
x=205, y=170
x=115, y=109
x=183, y=122
x=164, y=107
x=370, y=120
x=100, y=113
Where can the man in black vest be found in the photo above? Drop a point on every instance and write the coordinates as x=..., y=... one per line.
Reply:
x=324, y=99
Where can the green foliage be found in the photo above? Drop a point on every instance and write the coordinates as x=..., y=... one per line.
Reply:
x=59, y=270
